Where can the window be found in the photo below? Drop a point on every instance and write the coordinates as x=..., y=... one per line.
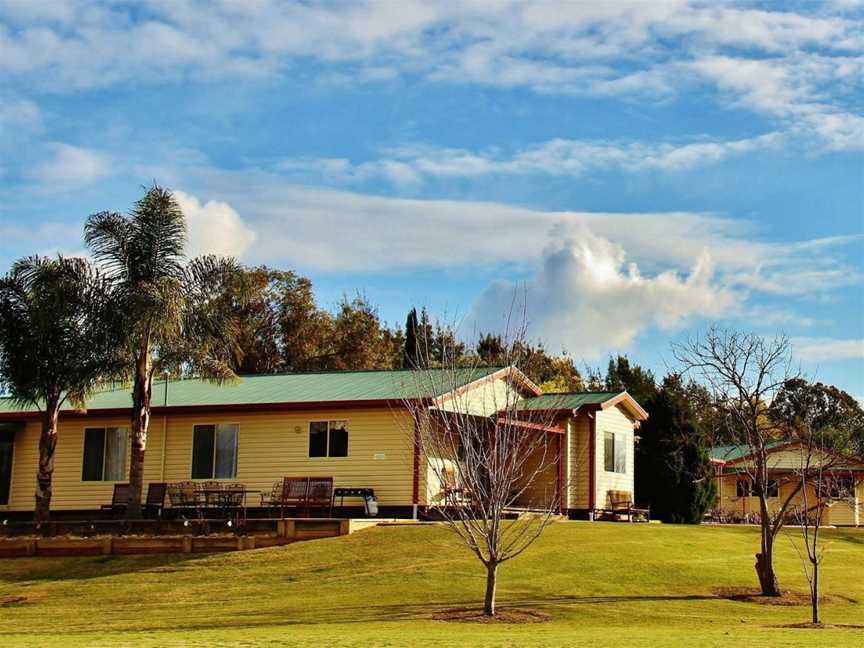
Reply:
x=104, y=454
x=328, y=439
x=836, y=487
x=214, y=451
x=614, y=453
x=746, y=488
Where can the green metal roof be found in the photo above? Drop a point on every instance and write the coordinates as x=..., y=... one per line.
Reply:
x=333, y=386
x=570, y=400
x=735, y=452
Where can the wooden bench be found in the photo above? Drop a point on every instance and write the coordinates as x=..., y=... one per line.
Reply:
x=302, y=494
x=620, y=503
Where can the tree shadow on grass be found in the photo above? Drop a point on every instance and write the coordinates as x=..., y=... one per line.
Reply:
x=310, y=614
x=56, y=569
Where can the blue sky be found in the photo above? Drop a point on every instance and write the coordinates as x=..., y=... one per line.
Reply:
x=636, y=170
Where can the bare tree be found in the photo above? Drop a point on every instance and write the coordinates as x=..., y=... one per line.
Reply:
x=486, y=455
x=824, y=473
x=744, y=372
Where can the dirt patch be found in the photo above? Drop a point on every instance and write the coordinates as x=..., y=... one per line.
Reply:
x=507, y=615
x=7, y=601
x=789, y=598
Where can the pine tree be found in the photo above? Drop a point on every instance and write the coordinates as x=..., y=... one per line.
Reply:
x=411, y=353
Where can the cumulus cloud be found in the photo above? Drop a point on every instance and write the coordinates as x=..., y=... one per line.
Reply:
x=817, y=348
x=327, y=230
x=214, y=227
x=588, y=298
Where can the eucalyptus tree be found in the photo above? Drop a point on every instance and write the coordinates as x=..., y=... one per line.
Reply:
x=175, y=313
x=744, y=373
x=57, y=341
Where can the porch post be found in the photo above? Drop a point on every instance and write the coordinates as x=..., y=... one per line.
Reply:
x=415, y=488
x=592, y=464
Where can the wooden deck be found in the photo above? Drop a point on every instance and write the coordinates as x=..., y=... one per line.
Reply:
x=119, y=537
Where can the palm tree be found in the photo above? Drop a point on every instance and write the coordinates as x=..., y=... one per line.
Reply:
x=175, y=314
x=56, y=343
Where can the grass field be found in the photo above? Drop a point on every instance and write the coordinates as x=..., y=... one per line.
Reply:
x=603, y=585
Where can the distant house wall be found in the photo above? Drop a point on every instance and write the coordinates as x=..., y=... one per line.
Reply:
x=270, y=445
x=841, y=513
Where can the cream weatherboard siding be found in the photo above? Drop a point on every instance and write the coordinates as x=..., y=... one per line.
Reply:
x=616, y=421
x=846, y=513
x=69, y=490
x=578, y=468
x=484, y=399
x=270, y=445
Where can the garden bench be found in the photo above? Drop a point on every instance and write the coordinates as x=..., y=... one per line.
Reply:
x=621, y=503
x=301, y=493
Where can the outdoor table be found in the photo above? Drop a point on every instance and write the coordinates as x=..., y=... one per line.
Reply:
x=220, y=499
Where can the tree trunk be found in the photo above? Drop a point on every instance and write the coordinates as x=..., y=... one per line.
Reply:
x=141, y=400
x=491, y=584
x=814, y=593
x=765, y=560
x=765, y=572
x=45, y=472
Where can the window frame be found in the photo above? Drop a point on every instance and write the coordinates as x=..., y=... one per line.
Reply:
x=613, y=456
x=124, y=471
x=327, y=454
x=215, y=425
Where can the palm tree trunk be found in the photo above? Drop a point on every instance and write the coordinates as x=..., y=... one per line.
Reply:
x=491, y=585
x=47, y=446
x=141, y=400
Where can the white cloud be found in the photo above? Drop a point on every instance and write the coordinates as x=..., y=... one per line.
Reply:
x=558, y=157
x=327, y=230
x=587, y=298
x=797, y=90
x=796, y=64
x=69, y=165
x=17, y=115
x=816, y=348
x=214, y=227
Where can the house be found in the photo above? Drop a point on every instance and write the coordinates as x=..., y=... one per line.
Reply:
x=353, y=426
x=736, y=499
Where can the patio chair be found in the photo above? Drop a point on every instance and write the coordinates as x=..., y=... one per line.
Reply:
x=155, y=501
x=119, y=499
x=273, y=497
x=181, y=496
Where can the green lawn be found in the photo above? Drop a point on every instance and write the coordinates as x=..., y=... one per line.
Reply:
x=603, y=584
